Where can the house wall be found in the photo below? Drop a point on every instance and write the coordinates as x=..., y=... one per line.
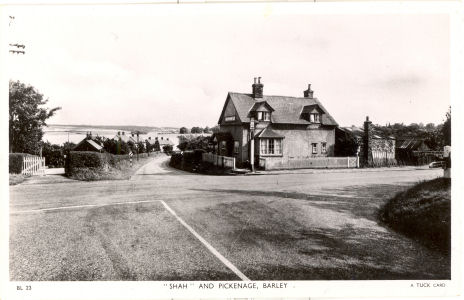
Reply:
x=240, y=134
x=296, y=145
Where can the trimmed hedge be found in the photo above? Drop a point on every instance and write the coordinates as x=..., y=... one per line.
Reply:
x=16, y=162
x=95, y=161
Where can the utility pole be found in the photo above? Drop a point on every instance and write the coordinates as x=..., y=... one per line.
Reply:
x=252, y=144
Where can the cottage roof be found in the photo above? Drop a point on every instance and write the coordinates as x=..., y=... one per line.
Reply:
x=92, y=143
x=287, y=110
x=125, y=138
x=269, y=133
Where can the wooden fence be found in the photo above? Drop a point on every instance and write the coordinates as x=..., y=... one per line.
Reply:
x=33, y=165
x=219, y=160
x=268, y=163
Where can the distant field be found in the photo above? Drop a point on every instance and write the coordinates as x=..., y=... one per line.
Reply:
x=59, y=134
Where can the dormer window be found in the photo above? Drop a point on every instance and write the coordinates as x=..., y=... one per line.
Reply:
x=263, y=116
x=315, y=118
x=312, y=113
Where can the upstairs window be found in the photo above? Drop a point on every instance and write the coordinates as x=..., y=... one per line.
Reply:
x=264, y=116
x=315, y=118
x=230, y=118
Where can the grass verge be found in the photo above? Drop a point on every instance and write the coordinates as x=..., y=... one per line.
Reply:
x=16, y=178
x=121, y=171
x=422, y=212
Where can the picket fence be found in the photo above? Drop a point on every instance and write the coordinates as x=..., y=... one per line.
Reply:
x=33, y=165
x=219, y=160
x=267, y=163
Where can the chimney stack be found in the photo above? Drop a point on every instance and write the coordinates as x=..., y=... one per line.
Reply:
x=308, y=93
x=257, y=88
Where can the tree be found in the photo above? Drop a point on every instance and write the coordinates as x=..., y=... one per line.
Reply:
x=183, y=130
x=215, y=129
x=156, y=147
x=167, y=149
x=196, y=129
x=27, y=117
x=207, y=129
x=446, y=129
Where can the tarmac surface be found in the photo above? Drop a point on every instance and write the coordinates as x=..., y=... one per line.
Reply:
x=166, y=224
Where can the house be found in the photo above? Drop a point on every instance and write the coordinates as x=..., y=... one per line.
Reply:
x=122, y=136
x=380, y=150
x=279, y=128
x=88, y=144
x=164, y=142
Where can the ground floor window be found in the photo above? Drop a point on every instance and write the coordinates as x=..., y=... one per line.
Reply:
x=324, y=148
x=314, y=148
x=223, y=147
x=236, y=147
x=270, y=146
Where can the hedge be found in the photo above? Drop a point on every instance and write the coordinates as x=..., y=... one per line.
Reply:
x=78, y=160
x=16, y=162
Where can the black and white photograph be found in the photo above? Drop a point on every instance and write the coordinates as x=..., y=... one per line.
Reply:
x=250, y=148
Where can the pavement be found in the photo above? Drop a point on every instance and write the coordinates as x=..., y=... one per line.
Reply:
x=166, y=224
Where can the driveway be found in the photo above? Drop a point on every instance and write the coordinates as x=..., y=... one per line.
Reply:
x=166, y=224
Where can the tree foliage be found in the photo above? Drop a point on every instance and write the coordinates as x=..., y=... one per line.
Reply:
x=196, y=129
x=183, y=130
x=27, y=117
x=446, y=129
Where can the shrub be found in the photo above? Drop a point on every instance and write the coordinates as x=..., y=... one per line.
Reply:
x=85, y=159
x=176, y=160
x=422, y=212
x=167, y=149
x=16, y=162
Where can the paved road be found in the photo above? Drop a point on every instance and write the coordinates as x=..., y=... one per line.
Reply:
x=166, y=224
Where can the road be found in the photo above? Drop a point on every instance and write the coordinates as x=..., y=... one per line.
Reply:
x=166, y=224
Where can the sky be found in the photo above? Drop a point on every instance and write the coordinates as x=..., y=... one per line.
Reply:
x=172, y=66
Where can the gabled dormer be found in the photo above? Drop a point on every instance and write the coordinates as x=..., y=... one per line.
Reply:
x=312, y=113
x=261, y=111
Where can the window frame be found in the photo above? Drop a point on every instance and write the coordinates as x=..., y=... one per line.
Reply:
x=270, y=146
x=263, y=116
x=236, y=147
x=324, y=148
x=314, y=148
x=315, y=118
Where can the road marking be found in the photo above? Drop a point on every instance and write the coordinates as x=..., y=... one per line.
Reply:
x=207, y=245
x=80, y=206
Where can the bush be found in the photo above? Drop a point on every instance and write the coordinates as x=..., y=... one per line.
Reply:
x=167, y=149
x=423, y=212
x=16, y=162
x=176, y=160
x=85, y=159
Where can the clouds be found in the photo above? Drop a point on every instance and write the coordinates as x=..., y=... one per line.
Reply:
x=159, y=65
